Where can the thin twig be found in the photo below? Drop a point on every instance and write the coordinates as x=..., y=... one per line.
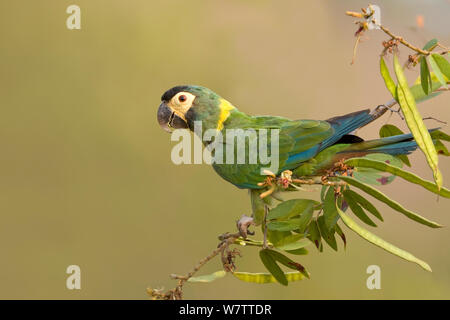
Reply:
x=177, y=292
x=266, y=211
x=437, y=120
x=403, y=41
x=447, y=49
x=319, y=181
x=395, y=39
x=355, y=47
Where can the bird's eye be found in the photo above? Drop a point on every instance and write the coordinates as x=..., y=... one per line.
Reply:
x=182, y=98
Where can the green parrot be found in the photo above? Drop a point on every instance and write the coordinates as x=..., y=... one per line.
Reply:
x=306, y=147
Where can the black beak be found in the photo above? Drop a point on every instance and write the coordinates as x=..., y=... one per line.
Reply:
x=168, y=120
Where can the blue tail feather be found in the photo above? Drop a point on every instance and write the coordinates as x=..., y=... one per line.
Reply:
x=393, y=145
x=346, y=124
x=405, y=147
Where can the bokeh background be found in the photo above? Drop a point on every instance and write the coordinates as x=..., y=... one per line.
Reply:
x=85, y=171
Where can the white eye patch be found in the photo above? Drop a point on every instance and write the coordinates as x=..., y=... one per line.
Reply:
x=181, y=103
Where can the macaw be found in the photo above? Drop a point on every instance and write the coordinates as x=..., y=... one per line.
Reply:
x=306, y=147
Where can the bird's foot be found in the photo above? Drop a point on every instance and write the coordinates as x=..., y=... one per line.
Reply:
x=243, y=224
x=228, y=256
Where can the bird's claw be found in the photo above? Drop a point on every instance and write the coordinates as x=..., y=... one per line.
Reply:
x=243, y=224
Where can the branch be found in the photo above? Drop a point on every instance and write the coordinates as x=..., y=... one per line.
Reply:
x=319, y=181
x=403, y=41
x=367, y=20
x=227, y=259
x=381, y=109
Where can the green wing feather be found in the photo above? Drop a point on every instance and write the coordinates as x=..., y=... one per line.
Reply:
x=295, y=137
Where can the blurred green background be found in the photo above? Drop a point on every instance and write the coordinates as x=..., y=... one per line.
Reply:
x=86, y=175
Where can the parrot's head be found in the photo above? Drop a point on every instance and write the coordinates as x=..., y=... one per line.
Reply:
x=181, y=106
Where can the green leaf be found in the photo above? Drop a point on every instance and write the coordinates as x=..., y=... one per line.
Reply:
x=314, y=235
x=408, y=176
x=266, y=277
x=441, y=149
x=329, y=209
x=356, y=208
x=391, y=203
x=441, y=68
x=440, y=135
x=342, y=235
x=327, y=234
x=364, y=203
x=390, y=84
x=291, y=208
x=275, y=236
x=365, y=234
x=300, y=251
x=421, y=96
x=375, y=177
x=425, y=77
x=292, y=242
x=209, y=277
x=257, y=206
x=279, y=257
x=384, y=158
x=415, y=122
x=323, y=192
x=305, y=220
x=272, y=267
x=389, y=130
x=430, y=45
x=284, y=225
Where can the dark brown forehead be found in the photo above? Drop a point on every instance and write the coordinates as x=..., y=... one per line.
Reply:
x=172, y=92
